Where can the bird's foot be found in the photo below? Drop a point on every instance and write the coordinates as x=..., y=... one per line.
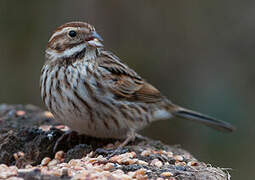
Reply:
x=130, y=138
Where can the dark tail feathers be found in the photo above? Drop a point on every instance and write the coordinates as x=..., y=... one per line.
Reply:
x=209, y=121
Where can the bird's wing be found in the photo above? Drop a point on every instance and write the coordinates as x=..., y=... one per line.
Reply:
x=125, y=83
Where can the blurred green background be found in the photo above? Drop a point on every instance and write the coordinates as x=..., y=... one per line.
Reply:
x=198, y=53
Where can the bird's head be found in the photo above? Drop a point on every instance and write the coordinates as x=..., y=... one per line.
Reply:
x=73, y=38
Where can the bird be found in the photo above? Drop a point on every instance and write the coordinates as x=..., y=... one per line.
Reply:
x=95, y=93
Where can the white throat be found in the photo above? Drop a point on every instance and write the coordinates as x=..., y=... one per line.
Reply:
x=90, y=54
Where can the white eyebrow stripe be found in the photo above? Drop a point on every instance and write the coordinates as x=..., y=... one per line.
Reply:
x=66, y=29
x=58, y=32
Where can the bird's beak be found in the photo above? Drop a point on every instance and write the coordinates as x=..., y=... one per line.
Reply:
x=96, y=40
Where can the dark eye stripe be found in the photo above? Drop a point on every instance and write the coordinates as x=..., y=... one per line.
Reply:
x=55, y=38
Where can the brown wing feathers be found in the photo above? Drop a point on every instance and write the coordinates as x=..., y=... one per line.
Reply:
x=130, y=86
x=127, y=83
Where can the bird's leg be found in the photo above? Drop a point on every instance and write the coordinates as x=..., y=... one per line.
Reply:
x=130, y=137
x=141, y=137
x=66, y=137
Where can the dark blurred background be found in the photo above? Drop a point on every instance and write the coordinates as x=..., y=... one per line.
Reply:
x=198, y=53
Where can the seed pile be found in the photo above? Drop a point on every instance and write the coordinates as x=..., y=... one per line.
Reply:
x=27, y=137
x=138, y=163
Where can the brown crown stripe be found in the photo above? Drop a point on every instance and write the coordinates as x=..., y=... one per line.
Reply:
x=76, y=24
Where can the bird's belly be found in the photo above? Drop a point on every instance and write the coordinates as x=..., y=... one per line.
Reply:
x=98, y=120
x=90, y=117
x=82, y=123
x=81, y=105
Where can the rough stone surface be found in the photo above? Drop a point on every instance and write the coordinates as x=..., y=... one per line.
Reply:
x=28, y=136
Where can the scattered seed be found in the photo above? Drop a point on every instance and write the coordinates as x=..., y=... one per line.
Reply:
x=53, y=162
x=160, y=178
x=62, y=127
x=18, y=155
x=133, y=154
x=21, y=154
x=59, y=155
x=178, y=158
x=192, y=163
x=108, y=166
x=157, y=163
x=45, y=127
x=15, y=178
x=177, y=163
x=141, y=162
x=6, y=171
x=169, y=154
x=146, y=153
x=48, y=114
x=166, y=174
x=166, y=163
x=45, y=161
x=20, y=113
x=73, y=162
x=118, y=172
x=140, y=174
x=28, y=166
x=131, y=174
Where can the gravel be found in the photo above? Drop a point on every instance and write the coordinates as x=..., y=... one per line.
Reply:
x=28, y=136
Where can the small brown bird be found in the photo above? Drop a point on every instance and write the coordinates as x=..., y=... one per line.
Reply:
x=93, y=92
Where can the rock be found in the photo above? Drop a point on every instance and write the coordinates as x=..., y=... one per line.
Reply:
x=28, y=136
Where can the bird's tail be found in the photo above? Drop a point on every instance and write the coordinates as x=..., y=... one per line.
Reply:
x=201, y=118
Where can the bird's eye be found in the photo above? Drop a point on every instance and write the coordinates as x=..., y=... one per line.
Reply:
x=72, y=33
